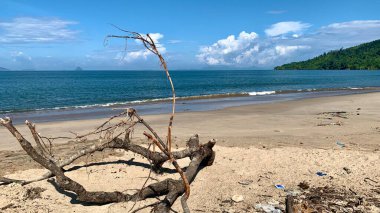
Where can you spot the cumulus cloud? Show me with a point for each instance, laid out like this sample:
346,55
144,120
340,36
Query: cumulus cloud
142,53
274,50
246,49
229,50
36,30
281,28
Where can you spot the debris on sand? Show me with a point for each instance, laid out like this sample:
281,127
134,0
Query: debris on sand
245,182
321,174
338,123
34,193
340,144
267,208
7,206
303,185
237,198
279,186
330,115
347,170
329,199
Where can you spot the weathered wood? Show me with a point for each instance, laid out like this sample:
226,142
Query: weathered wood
4,180
289,202
199,154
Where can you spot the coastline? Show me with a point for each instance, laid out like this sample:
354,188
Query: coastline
184,104
60,95
268,123
261,145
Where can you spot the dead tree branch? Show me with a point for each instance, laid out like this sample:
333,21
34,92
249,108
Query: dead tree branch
200,154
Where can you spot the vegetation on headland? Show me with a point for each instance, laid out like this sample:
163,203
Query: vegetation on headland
362,57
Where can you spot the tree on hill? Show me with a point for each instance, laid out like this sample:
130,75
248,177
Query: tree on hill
362,57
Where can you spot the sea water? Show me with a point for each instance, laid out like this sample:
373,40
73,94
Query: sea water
65,92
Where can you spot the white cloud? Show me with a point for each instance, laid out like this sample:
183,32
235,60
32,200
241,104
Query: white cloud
273,50
284,50
231,47
36,30
155,37
343,34
360,24
142,52
245,50
246,55
281,28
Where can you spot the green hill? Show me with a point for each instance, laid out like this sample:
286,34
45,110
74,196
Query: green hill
362,57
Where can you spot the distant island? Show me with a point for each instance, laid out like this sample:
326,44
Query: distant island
3,69
78,69
362,57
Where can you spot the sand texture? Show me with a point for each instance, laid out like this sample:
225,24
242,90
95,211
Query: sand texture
259,146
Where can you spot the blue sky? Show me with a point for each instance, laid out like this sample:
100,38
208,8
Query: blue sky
61,35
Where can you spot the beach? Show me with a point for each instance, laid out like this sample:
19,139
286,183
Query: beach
258,146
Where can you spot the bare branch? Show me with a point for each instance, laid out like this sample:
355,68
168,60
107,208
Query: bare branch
172,188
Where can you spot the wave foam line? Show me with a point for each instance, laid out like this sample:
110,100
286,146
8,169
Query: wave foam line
262,93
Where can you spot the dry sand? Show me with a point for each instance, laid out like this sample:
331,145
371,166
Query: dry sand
258,145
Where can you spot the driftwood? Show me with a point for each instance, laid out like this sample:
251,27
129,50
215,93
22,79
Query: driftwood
118,136
289,203
201,155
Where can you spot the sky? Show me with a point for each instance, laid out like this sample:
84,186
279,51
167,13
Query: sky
196,34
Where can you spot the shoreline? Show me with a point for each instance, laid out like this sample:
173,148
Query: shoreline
270,122
184,104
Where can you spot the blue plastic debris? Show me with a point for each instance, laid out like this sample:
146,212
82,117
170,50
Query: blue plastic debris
342,145
321,174
279,186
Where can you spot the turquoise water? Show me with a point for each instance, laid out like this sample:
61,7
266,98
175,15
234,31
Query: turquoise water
40,90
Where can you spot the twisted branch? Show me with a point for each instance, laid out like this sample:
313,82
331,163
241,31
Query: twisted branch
169,187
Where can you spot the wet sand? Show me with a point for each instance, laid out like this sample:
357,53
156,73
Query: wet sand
289,123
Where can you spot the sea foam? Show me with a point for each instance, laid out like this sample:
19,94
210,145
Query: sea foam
262,93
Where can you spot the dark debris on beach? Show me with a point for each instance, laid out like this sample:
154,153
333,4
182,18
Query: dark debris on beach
330,199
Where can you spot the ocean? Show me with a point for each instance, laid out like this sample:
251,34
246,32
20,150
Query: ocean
60,95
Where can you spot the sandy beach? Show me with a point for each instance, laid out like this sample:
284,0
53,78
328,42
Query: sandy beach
258,146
